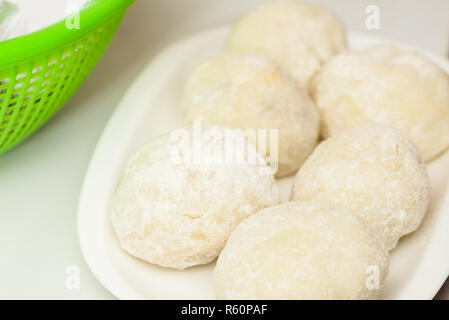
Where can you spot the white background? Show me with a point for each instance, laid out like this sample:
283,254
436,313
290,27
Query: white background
40,180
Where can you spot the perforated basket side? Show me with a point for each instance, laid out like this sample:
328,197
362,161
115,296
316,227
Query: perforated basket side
33,90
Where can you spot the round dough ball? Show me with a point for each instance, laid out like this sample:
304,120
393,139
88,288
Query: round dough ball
373,170
298,35
301,250
176,213
388,86
250,91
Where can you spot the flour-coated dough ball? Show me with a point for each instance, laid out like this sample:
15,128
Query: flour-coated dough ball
389,86
375,171
301,250
250,91
300,36
171,212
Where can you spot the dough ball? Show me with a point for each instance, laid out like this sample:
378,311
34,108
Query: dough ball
300,36
373,170
175,212
250,92
388,86
301,250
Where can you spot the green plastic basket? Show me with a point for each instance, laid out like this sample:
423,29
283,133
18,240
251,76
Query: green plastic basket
40,71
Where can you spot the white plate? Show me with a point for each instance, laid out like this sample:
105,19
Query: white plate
419,265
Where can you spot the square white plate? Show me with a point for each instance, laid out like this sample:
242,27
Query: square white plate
419,265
